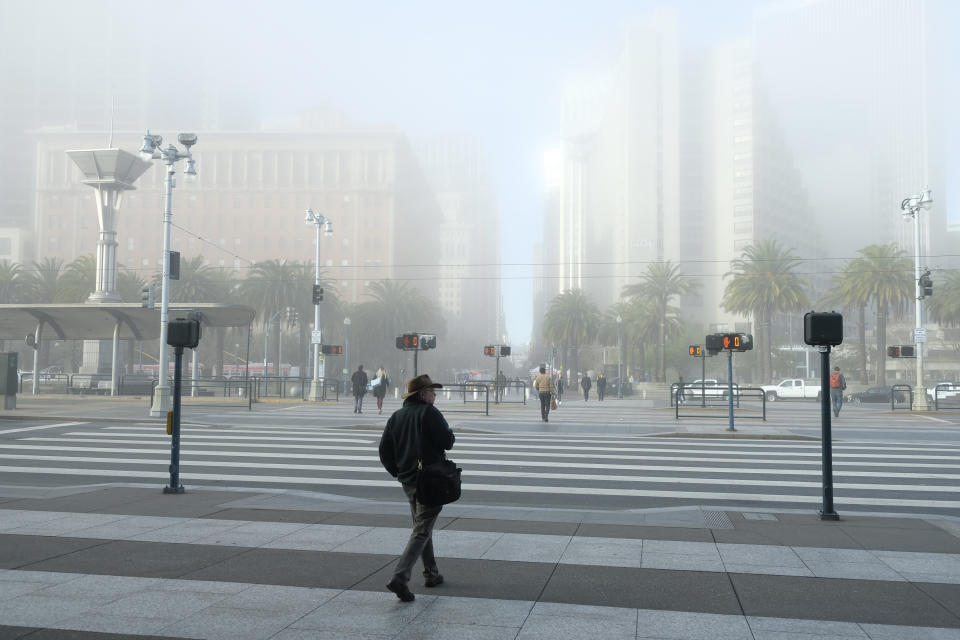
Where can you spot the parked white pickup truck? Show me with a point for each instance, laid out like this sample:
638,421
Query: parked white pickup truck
792,389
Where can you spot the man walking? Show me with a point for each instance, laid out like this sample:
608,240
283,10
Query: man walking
837,385
543,383
601,386
416,433
585,384
359,382
681,393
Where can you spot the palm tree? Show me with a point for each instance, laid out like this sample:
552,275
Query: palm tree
885,276
43,283
13,282
571,322
944,307
763,284
396,306
79,279
846,292
198,282
270,287
661,283
129,284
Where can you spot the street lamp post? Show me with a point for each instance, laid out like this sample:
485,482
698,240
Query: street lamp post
152,150
911,209
619,359
346,346
322,223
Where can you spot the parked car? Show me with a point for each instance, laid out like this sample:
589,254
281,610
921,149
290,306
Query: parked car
709,388
792,389
876,394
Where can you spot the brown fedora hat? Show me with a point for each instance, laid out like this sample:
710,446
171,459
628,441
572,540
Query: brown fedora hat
418,384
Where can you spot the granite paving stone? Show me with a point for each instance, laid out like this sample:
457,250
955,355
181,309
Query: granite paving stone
363,611
762,625
38,611
317,537
221,623
385,540
16,518
252,534
278,598
129,527
22,551
127,625
67,525
491,612
691,626
435,630
528,548
462,544
541,627
198,529
887,632
161,604
758,554
612,552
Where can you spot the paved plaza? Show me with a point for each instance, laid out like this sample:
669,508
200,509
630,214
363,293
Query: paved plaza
292,554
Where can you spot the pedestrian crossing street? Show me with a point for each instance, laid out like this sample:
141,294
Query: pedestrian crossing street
516,469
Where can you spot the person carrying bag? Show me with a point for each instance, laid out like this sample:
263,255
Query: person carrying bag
412,449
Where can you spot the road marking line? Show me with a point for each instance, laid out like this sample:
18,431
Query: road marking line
43,426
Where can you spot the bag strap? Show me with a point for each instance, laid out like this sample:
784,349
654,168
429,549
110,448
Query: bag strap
420,438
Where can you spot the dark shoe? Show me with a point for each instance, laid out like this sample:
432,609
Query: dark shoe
432,581
403,592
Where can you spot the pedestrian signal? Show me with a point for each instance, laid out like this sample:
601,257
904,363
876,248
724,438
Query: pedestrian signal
331,349
489,350
695,350
428,341
504,350
408,341
893,352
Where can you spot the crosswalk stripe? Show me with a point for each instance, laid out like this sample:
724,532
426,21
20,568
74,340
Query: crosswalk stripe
477,461
467,487
504,474
815,461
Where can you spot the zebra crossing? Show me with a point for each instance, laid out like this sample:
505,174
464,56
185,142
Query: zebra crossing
584,471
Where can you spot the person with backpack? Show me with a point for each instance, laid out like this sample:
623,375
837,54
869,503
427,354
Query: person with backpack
837,386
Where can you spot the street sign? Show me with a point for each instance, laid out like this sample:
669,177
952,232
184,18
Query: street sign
920,334
315,337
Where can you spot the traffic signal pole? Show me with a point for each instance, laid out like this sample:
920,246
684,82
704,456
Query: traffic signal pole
730,388
827,511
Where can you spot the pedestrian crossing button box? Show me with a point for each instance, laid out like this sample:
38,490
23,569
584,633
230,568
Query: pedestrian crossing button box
823,328
183,332
8,373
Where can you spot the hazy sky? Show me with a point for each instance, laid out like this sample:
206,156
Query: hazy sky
494,70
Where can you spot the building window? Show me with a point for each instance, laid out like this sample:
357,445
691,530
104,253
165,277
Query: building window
131,244
6,246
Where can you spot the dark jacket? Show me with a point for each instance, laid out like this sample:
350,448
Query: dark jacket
585,383
359,381
380,390
399,443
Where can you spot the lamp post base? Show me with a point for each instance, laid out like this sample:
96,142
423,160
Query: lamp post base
920,399
162,401
316,391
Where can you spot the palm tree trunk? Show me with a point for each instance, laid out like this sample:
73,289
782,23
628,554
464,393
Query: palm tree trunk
862,337
663,352
881,346
218,357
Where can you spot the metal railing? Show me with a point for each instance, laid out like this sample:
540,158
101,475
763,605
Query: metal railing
705,396
474,397
509,392
908,398
723,406
946,396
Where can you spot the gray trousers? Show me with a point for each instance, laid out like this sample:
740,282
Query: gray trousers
420,544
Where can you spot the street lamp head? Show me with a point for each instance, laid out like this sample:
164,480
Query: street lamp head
619,319
187,140
149,150
191,171
309,217
328,228
926,198
346,321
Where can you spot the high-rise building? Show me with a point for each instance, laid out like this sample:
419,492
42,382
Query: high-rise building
248,205
469,284
858,88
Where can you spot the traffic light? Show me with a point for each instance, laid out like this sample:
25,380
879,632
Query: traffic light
489,350
746,341
714,343
146,297
695,350
908,351
893,352
331,349
504,350
408,341
174,265
926,285
428,341
317,294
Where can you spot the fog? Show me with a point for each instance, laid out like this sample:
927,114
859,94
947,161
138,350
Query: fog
854,102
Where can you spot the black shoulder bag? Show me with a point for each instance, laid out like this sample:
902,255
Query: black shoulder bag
438,483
